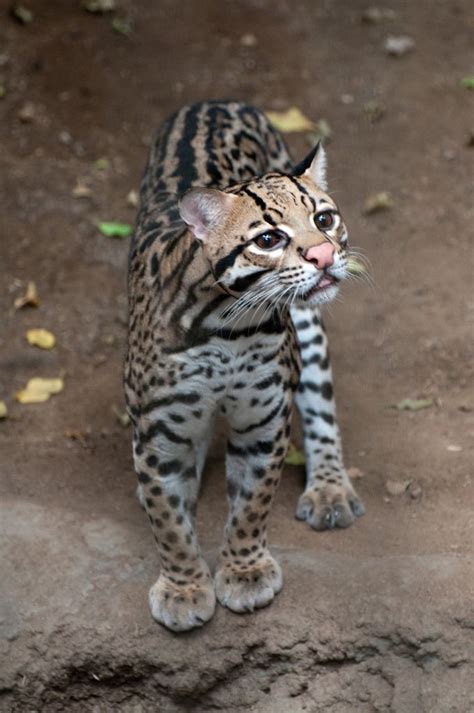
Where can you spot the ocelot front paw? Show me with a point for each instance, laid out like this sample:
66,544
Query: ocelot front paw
243,589
181,608
329,505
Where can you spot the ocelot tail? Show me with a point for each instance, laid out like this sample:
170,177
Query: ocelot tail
234,249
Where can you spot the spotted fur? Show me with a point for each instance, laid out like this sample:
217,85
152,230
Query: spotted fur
221,323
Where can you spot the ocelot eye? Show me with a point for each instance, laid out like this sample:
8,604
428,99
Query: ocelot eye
324,220
270,240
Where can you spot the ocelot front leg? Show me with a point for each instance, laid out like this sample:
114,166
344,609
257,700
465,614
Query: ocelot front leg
329,499
247,576
166,446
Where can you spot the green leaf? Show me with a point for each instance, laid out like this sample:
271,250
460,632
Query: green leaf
101,164
22,14
412,404
99,6
295,457
468,82
123,25
115,230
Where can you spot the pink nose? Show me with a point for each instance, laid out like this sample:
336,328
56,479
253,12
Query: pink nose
321,255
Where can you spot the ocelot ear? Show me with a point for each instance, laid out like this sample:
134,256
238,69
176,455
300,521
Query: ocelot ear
314,166
202,208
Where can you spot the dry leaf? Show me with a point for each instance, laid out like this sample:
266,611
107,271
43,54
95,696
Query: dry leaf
294,456
81,190
412,404
122,416
3,410
378,202
41,338
38,390
78,436
29,299
291,120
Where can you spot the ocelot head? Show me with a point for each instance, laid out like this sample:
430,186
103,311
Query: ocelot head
279,237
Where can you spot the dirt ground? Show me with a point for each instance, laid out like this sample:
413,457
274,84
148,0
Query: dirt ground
378,617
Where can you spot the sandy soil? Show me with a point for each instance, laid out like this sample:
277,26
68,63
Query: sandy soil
374,618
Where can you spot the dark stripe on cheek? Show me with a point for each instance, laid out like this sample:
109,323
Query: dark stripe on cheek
225,262
242,283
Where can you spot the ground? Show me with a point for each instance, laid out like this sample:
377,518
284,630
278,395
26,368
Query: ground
374,618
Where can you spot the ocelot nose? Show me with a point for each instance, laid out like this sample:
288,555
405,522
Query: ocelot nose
321,255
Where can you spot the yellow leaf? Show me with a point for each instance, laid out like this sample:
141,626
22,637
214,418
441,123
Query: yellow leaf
38,390
290,120
41,338
3,410
378,202
81,190
29,299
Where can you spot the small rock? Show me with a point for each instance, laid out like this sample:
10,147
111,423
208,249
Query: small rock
27,113
65,137
414,491
375,15
132,199
399,46
448,154
248,40
355,473
452,448
347,98
396,487
375,110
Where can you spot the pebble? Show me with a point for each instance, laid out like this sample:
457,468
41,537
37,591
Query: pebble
27,113
248,40
414,491
399,46
396,487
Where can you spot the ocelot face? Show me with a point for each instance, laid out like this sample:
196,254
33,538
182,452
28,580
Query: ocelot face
278,238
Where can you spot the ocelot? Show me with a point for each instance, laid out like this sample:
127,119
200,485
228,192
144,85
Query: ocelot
234,249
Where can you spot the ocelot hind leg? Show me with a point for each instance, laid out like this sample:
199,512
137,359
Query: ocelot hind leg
329,499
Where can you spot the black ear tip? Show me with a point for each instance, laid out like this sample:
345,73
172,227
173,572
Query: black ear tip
307,161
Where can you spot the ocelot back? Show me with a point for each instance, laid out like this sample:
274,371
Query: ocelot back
234,249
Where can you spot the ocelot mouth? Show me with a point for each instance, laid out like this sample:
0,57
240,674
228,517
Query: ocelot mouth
323,284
